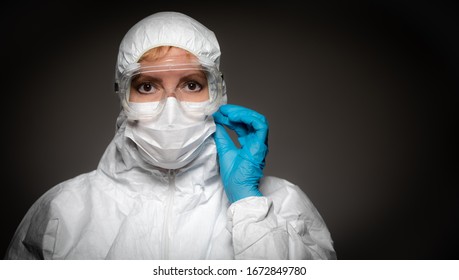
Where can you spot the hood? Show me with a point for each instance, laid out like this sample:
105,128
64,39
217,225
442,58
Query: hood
167,29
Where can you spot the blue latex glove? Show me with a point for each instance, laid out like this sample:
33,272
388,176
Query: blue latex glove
241,168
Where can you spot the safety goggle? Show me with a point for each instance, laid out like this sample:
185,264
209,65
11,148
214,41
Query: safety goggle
149,85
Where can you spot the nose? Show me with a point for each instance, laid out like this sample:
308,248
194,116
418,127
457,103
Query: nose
172,92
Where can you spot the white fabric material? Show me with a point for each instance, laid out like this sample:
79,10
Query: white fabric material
128,209
174,138
171,29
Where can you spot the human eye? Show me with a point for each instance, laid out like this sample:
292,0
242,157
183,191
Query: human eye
145,88
192,86
194,82
144,85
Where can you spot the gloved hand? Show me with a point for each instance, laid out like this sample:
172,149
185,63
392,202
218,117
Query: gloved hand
241,168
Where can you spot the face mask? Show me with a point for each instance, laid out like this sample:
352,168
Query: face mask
174,138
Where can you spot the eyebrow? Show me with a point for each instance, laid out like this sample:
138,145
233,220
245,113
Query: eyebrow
193,75
199,74
143,77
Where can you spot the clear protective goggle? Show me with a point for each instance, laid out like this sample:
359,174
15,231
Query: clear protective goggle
144,87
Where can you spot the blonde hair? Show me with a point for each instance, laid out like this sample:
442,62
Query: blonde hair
156,53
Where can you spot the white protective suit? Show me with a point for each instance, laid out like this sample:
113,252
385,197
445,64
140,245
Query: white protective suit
129,209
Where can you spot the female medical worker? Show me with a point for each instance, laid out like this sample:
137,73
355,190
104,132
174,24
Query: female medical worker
172,184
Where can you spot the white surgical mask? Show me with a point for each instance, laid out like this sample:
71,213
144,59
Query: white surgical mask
174,138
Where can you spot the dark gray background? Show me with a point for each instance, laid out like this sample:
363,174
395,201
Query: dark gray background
361,97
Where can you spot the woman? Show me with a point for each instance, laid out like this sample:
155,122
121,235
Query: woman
172,184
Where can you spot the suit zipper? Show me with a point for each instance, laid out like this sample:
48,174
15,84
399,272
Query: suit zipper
168,213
